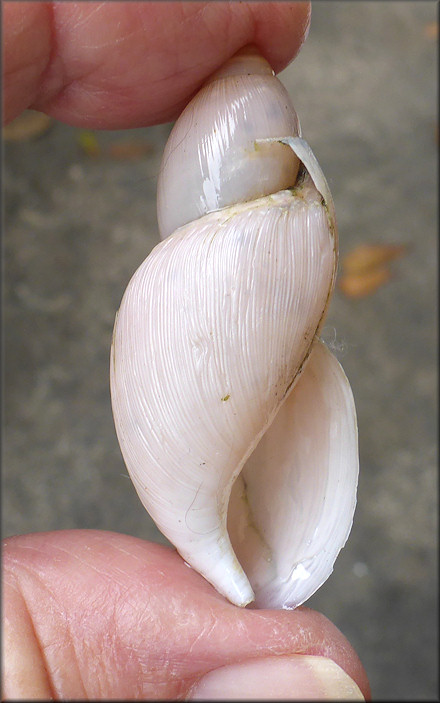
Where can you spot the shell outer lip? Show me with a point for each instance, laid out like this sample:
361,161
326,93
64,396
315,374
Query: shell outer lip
305,154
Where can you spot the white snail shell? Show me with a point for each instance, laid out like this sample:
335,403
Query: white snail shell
236,424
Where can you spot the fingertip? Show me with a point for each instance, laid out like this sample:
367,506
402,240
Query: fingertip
282,28
121,65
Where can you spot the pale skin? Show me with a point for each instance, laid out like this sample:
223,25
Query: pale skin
99,615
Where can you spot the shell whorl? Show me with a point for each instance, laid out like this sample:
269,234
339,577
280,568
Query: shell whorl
212,159
236,425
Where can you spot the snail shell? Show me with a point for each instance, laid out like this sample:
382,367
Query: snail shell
236,424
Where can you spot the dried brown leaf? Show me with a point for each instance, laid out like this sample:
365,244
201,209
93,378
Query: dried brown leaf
367,257
359,285
431,30
129,150
28,125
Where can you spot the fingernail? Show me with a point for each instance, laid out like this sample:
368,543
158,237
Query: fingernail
290,678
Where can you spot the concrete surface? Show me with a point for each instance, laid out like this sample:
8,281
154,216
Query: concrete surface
76,228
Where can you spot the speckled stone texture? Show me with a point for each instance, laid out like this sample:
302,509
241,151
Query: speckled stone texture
76,228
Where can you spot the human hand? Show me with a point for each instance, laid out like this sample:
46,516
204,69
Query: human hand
96,614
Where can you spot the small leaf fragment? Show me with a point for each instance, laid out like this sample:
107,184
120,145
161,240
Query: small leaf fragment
129,150
355,285
431,30
366,257
89,144
28,125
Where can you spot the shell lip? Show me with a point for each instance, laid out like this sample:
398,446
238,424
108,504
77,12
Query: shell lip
310,166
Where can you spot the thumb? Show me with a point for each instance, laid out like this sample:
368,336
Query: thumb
295,677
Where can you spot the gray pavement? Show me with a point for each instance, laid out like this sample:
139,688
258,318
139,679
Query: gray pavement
76,228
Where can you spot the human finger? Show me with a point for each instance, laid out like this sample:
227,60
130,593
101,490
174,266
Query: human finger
94,614
114,65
